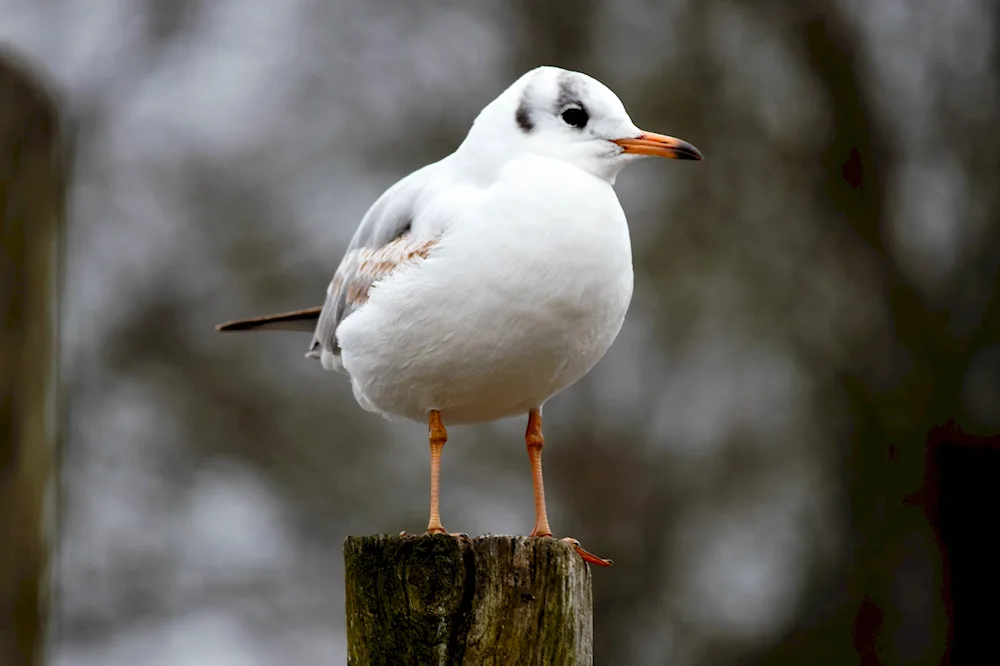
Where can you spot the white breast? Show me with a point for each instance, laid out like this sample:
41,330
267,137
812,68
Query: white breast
525,292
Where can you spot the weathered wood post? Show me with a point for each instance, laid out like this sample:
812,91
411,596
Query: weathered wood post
446,601
32,194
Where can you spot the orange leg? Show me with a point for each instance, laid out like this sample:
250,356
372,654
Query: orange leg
438,436
534,440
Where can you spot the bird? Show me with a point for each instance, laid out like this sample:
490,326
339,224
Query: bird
481,285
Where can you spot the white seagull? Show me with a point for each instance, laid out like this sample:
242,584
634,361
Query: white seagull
479,286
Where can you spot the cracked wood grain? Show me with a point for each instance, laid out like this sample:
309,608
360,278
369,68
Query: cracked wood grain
444,601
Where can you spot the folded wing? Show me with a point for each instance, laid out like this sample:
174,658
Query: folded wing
390,235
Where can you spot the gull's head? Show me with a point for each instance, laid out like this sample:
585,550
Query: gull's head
571,117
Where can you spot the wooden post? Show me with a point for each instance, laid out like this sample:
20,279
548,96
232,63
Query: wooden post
446,601
32,194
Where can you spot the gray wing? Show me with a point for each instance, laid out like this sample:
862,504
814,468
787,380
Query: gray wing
388,236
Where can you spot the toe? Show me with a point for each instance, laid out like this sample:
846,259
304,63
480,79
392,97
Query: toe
587,556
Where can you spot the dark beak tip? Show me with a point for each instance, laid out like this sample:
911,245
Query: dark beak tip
692,153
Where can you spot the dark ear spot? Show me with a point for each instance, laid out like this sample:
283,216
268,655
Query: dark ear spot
523,117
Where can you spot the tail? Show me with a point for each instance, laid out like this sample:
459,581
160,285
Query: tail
301,320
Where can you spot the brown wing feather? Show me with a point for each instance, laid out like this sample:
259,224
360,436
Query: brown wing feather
375,264
361,268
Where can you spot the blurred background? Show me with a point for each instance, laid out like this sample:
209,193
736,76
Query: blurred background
790,452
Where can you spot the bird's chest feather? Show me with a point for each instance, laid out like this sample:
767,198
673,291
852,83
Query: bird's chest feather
547,284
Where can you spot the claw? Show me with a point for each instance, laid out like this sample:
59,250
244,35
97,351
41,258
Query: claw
587,557
457,535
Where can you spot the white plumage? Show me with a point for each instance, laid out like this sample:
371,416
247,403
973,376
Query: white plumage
481,285
530,275
518,299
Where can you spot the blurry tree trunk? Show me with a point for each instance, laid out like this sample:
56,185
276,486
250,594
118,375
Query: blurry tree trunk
888,453
32,194
443,601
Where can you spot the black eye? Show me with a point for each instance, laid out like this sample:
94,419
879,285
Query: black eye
575,116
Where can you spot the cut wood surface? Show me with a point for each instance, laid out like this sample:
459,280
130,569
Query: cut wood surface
448,601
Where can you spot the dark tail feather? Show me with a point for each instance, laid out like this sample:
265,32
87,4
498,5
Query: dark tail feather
300,320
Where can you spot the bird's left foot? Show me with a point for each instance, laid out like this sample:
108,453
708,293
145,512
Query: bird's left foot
587,556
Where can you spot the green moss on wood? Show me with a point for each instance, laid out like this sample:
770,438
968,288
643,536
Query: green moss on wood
442,600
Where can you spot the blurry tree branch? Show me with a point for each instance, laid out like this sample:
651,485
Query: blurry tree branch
553,34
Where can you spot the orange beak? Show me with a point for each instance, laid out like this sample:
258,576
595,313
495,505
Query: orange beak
658,145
